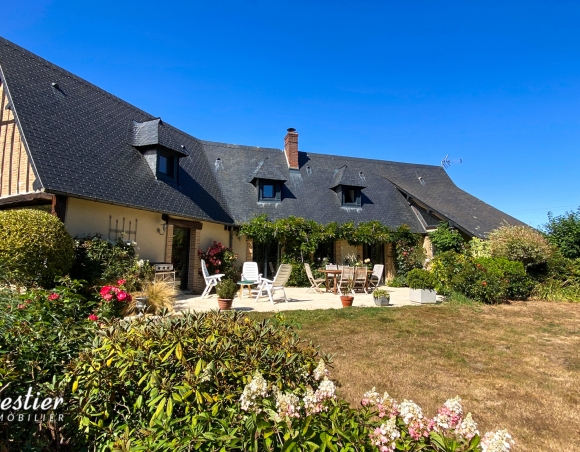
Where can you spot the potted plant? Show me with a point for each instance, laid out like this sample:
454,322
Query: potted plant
347,298
381,297
421,286
226,290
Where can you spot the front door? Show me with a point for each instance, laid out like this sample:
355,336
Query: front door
180,255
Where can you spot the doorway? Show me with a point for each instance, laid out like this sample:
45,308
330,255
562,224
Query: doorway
264,253
180,255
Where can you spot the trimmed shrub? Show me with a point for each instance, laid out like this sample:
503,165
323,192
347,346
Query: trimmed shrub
519,284
421,279
444,267
35,245
519,243
445,238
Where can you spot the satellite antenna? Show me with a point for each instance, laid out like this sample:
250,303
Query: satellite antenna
446,163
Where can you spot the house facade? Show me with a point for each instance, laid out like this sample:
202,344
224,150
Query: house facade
105,166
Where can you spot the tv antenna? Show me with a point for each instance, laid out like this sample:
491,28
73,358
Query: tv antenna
446,163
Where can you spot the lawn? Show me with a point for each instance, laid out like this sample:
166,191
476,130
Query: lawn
515,366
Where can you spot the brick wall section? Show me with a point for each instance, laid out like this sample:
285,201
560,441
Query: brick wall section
291,148
249,250
390,271
16,175
196,281
168,242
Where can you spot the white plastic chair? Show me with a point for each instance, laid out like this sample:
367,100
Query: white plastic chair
210,280
377,275
250,272
314,283
278,283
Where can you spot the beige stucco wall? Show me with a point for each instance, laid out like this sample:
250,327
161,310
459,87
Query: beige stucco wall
89,217
342,249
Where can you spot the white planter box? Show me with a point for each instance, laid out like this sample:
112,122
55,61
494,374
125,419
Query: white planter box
423,296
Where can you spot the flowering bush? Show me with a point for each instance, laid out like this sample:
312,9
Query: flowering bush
219,259
519,243
409,253
113,300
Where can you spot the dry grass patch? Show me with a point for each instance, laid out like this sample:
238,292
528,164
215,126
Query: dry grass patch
515,366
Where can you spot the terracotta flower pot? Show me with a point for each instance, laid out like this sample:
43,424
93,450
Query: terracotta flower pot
225,304
346,300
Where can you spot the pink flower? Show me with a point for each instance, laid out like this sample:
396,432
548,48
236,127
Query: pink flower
108,297
105,290
27,301
121,282
93,317
53,296
116,290
21,306
121,295
217,272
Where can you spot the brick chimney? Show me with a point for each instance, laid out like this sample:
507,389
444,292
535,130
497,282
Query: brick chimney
291,148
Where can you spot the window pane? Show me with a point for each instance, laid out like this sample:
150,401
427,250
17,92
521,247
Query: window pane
267,191
162,164
349,196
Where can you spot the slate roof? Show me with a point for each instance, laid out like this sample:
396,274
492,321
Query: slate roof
83,142
79,138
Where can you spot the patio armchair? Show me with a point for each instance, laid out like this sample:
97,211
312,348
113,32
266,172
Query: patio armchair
210,280
314,283
278,283
346,280
376,276
360,279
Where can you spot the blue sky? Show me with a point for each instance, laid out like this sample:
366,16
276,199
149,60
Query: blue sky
496,84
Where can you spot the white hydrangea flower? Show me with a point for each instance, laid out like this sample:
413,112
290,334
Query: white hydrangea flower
288,405
467,428
321,371
410,411
449,415
258,387
385,436
371,398
325,390
500,441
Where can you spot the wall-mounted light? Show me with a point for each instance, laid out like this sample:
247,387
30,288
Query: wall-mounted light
161,230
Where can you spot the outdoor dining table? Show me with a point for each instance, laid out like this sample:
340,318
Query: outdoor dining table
334,273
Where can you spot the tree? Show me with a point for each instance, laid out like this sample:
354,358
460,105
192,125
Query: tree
446,238
564,232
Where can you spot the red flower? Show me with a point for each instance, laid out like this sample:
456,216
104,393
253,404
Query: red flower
105,290
53,296
121,282
21,306
217,271
484,283
129,298
93,317
121,295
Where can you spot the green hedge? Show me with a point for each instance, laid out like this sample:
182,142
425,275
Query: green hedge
35,246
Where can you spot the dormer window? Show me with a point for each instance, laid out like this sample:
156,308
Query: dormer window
268,180
348,185
270,190
159,147
351,196
167,166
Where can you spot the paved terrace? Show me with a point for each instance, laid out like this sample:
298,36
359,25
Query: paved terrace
298,298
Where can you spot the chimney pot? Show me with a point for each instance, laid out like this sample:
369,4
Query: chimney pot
291,148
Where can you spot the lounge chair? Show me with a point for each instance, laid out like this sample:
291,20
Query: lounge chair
210,280
314,283
377,276
278,283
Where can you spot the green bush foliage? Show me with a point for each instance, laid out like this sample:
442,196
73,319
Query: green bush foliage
421,279
519,243
40,332
100,261
219,259
446,238
35,245
564,232
176,381
491,280
226,289
445,267
409,253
